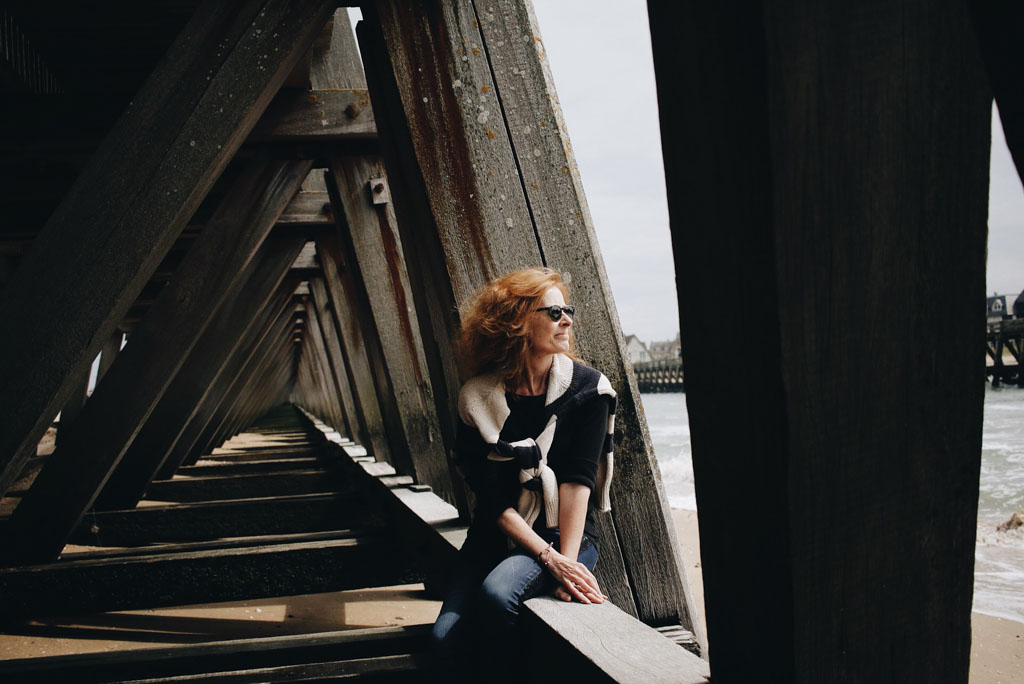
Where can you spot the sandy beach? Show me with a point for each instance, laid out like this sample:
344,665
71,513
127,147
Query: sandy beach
997,651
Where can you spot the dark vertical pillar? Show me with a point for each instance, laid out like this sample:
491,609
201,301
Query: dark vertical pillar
827,166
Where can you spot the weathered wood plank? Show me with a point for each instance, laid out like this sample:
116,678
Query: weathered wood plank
379,267
390,668
335,379
200,577
232,543
998,26
230,518
339,290
73,406
320,309
77,471
219,655
601,643
206,468
137,192
845,131
307,208
448,94
316,116
243,486
428,273
262,294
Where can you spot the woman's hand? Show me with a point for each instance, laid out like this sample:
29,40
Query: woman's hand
575,581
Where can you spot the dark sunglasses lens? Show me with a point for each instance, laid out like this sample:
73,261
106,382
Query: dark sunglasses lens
555,312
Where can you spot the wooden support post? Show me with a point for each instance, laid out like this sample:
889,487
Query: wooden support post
358,188
337,381
504,193
69,414
74,475
109,354
137,192
251,302
328,391
805,148
344,307
321,309
999,26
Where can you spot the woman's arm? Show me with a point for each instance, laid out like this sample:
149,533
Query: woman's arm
572,516
575,580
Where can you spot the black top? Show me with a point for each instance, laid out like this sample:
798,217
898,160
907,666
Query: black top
573,456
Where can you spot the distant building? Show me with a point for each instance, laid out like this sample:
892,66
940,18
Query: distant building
995,308
636,350
669,349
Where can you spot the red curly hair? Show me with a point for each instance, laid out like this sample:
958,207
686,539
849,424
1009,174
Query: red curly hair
495,334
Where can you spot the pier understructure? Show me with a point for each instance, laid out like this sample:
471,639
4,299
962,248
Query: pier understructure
264,235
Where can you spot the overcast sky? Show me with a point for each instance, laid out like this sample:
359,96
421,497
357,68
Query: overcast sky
600,54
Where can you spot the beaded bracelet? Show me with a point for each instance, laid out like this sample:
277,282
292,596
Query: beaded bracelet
540,556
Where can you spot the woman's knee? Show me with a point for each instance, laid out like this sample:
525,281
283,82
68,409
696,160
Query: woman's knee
504,588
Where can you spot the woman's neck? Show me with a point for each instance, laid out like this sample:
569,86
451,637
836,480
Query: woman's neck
536,380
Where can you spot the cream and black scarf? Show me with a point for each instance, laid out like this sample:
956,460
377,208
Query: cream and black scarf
482,405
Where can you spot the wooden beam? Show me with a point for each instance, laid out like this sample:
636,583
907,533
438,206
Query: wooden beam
229,518
137,192
339,288
174,579
308,208
238,486
73,477
316,116
865,491
262,294
432,289
329,383
600,643
999,26
218,656
73,406
319,310
378,269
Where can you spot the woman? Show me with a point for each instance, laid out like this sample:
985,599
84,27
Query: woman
534,444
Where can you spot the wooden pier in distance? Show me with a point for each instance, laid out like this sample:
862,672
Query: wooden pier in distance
1005,338
665,375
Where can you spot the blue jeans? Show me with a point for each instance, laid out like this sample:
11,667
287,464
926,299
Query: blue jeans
481,607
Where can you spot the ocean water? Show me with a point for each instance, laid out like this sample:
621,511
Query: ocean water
999,557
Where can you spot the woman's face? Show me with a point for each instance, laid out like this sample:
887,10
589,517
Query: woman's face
548,336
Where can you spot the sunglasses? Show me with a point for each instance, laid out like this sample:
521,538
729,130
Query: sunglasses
555,312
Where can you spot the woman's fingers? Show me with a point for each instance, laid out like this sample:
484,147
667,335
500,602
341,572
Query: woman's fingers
587,579
562,595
